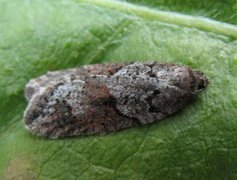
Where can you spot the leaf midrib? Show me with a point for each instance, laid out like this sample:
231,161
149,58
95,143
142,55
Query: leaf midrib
198,22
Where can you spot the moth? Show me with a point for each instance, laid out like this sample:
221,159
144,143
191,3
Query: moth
103,98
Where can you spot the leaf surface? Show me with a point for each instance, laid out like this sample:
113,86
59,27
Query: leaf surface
198,142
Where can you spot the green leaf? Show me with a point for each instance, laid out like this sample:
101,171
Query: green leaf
222,10
199,142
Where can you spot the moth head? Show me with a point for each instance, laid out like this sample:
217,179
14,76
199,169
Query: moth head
199,82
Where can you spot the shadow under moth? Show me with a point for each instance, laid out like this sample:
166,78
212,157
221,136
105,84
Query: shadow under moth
103,98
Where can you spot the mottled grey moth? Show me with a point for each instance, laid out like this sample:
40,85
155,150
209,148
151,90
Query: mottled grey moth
102,98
